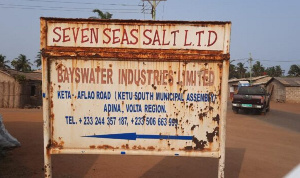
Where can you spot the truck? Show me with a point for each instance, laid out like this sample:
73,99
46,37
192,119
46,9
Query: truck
254,98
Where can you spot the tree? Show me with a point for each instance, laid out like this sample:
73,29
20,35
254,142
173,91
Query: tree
274,71
232,71
38,59
258,69
21,63
278,71
271,71
3,62
102,15
294,70
241,70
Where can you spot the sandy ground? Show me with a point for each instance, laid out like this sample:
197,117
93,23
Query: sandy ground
256,146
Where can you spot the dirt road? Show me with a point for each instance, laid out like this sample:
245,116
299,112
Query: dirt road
256,146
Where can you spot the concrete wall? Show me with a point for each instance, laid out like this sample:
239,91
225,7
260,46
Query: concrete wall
19,95
10,91
14,94
4,77
10,95
278,91
292,94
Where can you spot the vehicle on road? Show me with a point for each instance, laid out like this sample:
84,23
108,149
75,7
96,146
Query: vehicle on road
253,98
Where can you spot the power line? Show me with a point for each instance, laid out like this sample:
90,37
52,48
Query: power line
69,10
239,59
154,4
277,61
81,3
62,8
265,60
56,7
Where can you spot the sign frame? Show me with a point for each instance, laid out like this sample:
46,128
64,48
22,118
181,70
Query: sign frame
125,53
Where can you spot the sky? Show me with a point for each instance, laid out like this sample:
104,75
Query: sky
268,29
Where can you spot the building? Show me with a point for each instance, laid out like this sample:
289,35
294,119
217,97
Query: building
283,89
286,89
260,80
20,89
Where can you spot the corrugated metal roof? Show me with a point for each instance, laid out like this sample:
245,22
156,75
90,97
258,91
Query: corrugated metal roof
253,78
262,81
289,81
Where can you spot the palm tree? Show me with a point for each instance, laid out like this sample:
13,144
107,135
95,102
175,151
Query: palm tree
278,71
21,63
38,60
294,70
232,70
271,71
241,69
258,69
3,62
102,15
274,71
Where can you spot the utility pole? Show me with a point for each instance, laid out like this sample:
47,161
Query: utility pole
154,4
250,61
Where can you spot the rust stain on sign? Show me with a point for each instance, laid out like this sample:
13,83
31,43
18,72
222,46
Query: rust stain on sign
143,86
139,99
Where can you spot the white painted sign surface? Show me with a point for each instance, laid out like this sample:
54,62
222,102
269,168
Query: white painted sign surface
134,87
114,35
130,105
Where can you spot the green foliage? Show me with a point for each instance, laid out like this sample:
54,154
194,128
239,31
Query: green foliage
20,78
274,71
102,15
294,70
247,74
21,63
3,62
233,71
241,70
38,59
257,69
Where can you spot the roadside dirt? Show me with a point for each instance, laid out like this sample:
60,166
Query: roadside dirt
256,146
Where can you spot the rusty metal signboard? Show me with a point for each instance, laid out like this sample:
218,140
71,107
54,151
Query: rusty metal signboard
134,87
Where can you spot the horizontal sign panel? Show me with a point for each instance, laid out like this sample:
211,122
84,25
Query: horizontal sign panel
134,87
135,105
138,35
